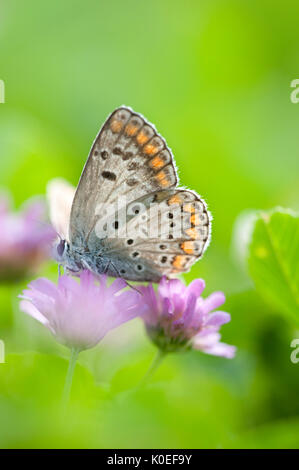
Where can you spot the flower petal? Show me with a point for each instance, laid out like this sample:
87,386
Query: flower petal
117,285
221,349
217,319
205,340
196,287
213,301
176,316
27,307
81,311
45,286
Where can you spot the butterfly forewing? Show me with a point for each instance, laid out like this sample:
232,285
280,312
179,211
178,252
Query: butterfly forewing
128,159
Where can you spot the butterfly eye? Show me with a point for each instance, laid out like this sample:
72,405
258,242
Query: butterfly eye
61,247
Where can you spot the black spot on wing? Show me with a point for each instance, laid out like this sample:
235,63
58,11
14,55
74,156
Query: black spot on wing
108,175
132,182
127,156
117,151
133,166
104,154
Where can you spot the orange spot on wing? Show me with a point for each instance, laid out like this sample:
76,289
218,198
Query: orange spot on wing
150,149
192,233
131,130
178,262
195,219
157,163
189,208
162,178
116,126
142,138
175,199
188,247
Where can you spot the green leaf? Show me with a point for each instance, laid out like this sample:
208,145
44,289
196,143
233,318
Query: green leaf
274,260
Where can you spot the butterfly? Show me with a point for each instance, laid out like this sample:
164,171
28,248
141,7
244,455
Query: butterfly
127,217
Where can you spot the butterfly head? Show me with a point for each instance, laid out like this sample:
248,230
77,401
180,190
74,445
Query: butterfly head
60,250
66,257
61,247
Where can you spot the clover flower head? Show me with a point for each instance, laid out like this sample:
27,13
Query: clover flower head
177,317
80,312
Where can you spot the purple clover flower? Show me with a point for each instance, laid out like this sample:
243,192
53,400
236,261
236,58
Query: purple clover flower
177,317
25,240
80,313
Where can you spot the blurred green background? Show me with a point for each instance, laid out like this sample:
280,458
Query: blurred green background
214,76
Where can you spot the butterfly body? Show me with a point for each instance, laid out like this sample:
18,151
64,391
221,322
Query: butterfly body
128,218
75,260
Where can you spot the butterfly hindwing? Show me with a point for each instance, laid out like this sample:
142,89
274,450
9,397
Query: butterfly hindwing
163,233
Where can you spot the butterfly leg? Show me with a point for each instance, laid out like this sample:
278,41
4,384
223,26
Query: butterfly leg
86,265
107,267
60,268
128,284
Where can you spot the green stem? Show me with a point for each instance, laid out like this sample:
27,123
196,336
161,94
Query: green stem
69,378
153,367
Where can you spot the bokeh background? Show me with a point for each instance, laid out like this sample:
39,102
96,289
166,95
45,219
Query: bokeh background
214,76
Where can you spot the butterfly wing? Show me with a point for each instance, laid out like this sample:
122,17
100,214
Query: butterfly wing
127,213
60,196
162,233
128,160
